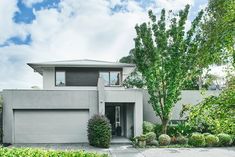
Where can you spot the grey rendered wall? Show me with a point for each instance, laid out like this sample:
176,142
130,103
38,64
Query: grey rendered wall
44,99
187,97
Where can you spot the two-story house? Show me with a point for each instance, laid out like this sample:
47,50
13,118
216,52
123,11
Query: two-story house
73,91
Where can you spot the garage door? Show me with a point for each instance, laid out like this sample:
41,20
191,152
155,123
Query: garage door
50,126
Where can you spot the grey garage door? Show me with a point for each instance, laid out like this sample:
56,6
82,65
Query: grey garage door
50,126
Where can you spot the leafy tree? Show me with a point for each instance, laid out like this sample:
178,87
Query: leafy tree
167,56
216,113
129,58
219,29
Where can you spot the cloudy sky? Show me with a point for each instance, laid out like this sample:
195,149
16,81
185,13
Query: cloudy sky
49,30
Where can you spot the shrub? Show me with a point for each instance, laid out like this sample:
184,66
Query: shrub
150,137
148,127
164,140
173,140
32,152
225,139
206,134
211,140
99,131
181,140
197,140
154,143
158,130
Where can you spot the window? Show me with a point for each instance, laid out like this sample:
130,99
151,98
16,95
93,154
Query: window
111,78
60,78
114,78
105,76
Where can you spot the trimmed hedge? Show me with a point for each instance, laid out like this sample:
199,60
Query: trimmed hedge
224,139
32,152
182,140
99,131
197,140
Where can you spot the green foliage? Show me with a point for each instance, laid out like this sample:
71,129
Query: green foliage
224,139
99,131
182,140
148,127
216,114
197,140
211,140
31,152
1,102
166,57
219,29
154,143
176,130
164,139
150,136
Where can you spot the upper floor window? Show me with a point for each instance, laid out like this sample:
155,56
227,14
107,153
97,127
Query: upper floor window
60,78
111,78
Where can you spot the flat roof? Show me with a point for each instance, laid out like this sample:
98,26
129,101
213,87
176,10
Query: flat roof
78,63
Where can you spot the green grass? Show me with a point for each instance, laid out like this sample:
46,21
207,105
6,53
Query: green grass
32,152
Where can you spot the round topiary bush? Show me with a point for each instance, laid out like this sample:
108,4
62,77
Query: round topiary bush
99,131
150,137
181,140
197,140
164,140
148,127
224,139
211,140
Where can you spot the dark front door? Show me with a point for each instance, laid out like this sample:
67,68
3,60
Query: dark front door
110,114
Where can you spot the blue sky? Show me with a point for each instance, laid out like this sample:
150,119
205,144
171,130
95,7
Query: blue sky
44,30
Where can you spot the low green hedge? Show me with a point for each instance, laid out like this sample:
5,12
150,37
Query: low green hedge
32,152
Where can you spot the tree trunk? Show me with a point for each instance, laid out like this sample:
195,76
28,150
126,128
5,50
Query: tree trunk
164,125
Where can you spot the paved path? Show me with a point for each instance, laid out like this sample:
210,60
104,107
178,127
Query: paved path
129,151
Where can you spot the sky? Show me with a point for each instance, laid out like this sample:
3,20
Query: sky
50,30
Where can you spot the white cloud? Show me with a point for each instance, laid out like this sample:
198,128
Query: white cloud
80,30
29,3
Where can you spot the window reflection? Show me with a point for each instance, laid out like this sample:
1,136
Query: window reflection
60,78
114,78
105,76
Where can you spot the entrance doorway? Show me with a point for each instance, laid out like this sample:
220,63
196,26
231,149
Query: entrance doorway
121,118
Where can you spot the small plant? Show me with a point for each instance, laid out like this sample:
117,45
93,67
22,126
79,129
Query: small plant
148,127
164,140
141,141
182,140
99,131
206,134
197,140
211,140
225,139
150,137
173,140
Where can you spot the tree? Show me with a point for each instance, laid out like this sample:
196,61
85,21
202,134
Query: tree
219,29
166,57
216,113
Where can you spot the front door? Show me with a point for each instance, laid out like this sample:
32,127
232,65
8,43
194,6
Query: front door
110,114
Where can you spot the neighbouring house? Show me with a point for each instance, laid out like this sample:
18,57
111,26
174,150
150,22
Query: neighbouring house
73,91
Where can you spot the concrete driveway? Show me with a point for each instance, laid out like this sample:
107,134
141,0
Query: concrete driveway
129,151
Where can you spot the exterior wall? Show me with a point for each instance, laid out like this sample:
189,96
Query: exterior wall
44,99
48,78
187,97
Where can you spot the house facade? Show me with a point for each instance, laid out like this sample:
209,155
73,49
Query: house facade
73,91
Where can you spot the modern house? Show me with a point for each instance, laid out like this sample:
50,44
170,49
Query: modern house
73,91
